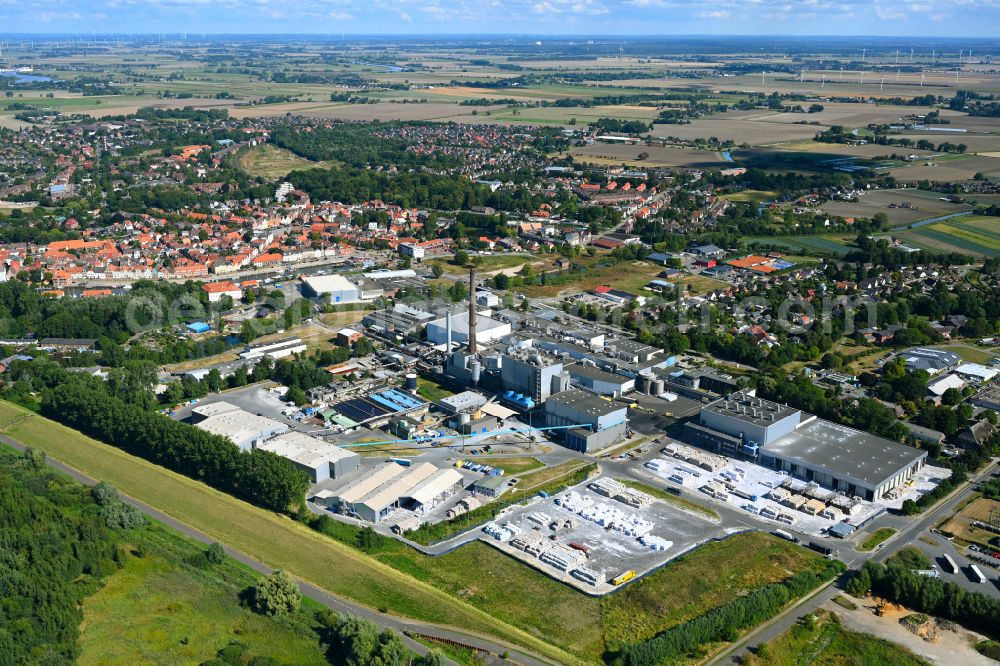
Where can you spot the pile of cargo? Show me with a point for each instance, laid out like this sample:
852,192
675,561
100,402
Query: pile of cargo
619,491
716,490
604,515
562,557
586,575
504,532
532,544
697,457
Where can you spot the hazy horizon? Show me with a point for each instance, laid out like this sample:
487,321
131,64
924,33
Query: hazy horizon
607,18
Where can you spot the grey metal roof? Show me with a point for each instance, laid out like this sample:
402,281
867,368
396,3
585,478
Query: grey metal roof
844,452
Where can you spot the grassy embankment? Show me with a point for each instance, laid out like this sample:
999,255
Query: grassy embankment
475,587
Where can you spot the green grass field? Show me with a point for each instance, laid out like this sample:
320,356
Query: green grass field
875,538
274,539
670,498
971,355
510,466
834,243
162,609
272,163
822,641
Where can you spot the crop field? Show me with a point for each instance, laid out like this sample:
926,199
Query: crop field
837,244
960,525
659,156
739,130
922,205
971,234
272,163
583,115
957,167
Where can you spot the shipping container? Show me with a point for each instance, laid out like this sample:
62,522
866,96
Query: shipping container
977,575
787,536
949,565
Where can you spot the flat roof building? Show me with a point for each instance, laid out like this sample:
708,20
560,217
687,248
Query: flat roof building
242,428
318,459
599,423
339,288
598,381
805,446
487,329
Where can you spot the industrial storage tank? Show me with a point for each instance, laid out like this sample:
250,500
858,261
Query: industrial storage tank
642,383
656,387
411,381
464,418
476,369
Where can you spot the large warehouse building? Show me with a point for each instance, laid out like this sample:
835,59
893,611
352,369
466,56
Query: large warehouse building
377,494
805,446
487,330
339,288
601,423
318,459
242,428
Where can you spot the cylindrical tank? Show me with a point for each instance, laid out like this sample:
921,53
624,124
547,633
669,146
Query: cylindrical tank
464,418
642,383
476,370
411,381
656,387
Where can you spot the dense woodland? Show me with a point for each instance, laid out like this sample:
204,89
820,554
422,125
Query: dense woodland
55,550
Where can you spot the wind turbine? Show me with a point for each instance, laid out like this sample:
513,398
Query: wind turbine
897,75
864,52
881,84
921,80
823,82
897,56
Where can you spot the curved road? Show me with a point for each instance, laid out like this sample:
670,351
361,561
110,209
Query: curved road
401,625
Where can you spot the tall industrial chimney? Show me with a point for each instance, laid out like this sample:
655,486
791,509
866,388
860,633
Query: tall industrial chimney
472,310
447,343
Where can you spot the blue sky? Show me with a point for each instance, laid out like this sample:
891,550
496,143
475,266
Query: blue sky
592,17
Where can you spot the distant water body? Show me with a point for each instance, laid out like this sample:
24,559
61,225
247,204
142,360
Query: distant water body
25,78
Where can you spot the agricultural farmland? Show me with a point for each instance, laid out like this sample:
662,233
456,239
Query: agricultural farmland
971,234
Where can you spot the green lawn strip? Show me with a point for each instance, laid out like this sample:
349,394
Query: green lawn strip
510,466
670,498
875,538
271,538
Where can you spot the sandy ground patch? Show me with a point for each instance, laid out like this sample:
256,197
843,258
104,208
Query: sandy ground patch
951,647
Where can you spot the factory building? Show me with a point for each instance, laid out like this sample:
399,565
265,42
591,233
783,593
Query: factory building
598,381
600,422
318,459
805,446
931,360
377,494
277,349
529,373
487,330
242,428
337,287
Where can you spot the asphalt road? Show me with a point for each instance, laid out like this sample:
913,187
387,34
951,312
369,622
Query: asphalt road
332,602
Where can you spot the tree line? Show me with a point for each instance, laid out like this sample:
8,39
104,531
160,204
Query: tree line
259,477
723,623
897,582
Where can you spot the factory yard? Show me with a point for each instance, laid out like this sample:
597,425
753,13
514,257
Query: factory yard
588,540
769,498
